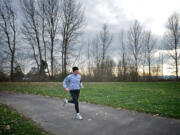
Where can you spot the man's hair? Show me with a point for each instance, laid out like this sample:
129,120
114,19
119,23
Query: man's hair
75,68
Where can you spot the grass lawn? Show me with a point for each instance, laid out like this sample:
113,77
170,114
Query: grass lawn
12,123
162,98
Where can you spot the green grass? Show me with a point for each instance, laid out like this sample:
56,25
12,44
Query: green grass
12,123
162,98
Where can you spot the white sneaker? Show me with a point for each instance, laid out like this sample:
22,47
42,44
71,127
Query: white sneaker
65,101
79,117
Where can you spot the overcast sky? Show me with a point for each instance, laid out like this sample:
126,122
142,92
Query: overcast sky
120,14
152,14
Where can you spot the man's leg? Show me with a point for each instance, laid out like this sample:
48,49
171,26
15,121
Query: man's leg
72,97
78,116
75,95
76,101
78,94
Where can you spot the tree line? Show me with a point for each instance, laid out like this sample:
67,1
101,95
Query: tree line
47,34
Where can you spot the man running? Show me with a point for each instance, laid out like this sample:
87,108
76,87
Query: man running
75,84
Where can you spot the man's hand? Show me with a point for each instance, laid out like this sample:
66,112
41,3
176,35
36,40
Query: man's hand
82,86
67,89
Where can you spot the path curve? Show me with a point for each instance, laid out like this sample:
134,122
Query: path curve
98,120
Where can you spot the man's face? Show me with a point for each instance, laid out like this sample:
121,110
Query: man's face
76,72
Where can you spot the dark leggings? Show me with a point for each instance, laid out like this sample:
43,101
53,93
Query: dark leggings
75,96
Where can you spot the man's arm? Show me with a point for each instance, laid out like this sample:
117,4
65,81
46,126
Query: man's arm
65,82
81,85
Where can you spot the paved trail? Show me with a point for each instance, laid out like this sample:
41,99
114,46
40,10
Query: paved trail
98,120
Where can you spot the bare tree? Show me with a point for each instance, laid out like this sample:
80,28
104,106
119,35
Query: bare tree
109,69
52,16
40,25
101,44
72,19
105,40
8,26
162,64
135,38
31,40
143,61
123,52
42,4
31,29
149,43
89,58
172,37
96,58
